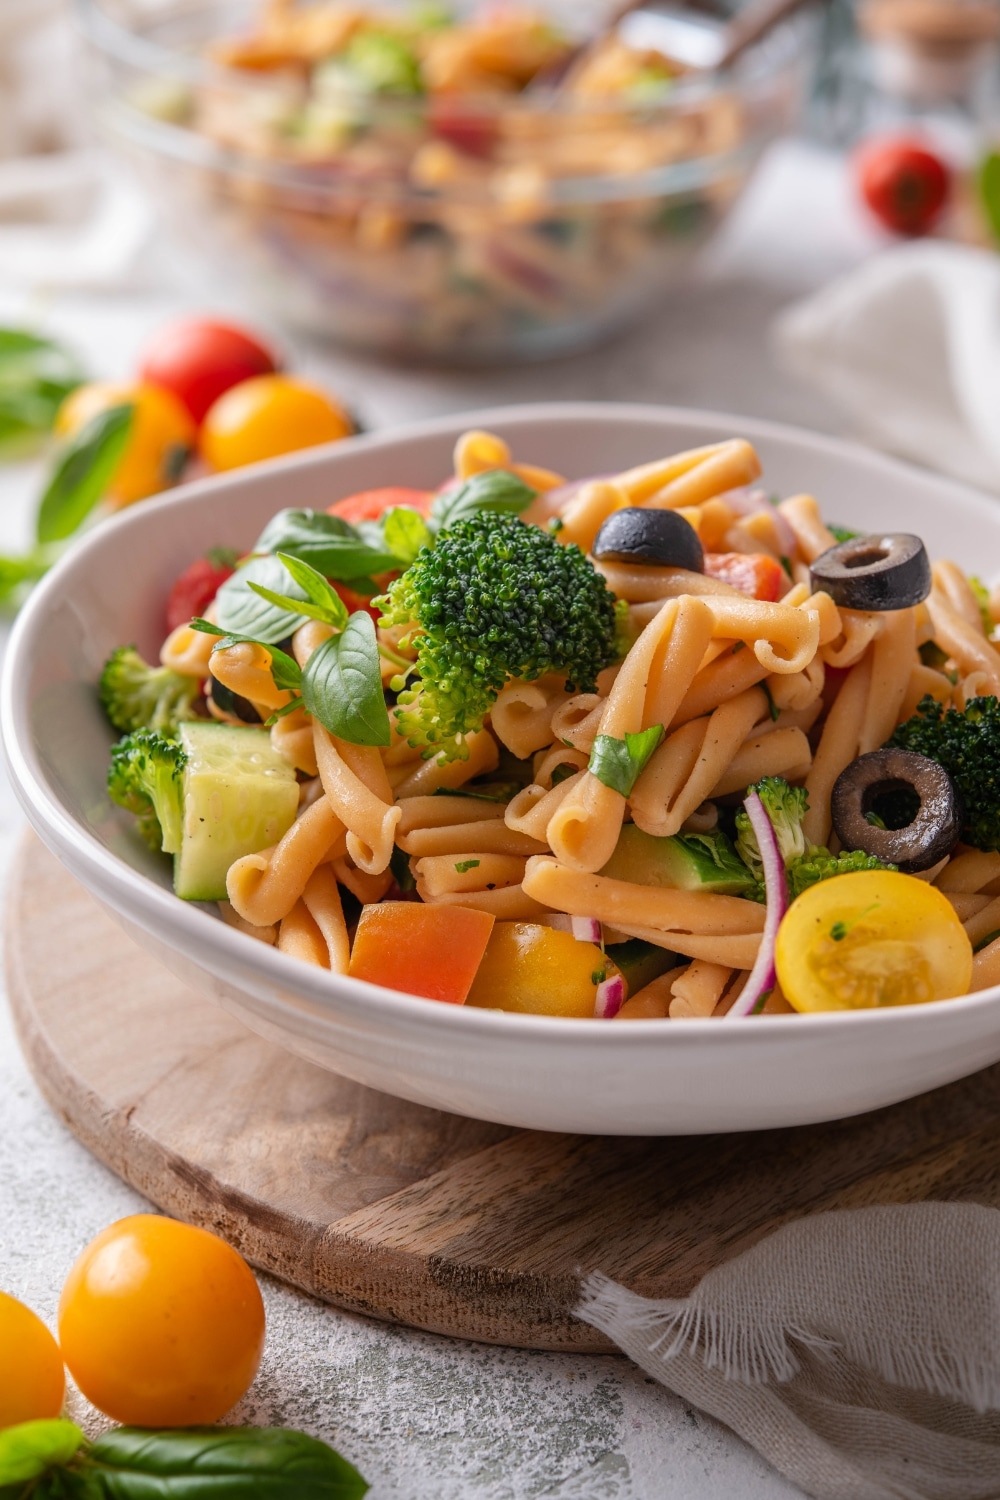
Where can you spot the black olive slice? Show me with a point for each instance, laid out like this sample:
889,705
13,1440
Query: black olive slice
889,570
883,783
660,538
232,703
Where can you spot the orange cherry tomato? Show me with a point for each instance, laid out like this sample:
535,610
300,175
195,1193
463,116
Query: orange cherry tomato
267,416
159,444
432,951
161,1324
32,1379
369,505
753,573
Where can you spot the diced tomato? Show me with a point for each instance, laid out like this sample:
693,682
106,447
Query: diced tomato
473,132
197,586
368,505
432,951
753,573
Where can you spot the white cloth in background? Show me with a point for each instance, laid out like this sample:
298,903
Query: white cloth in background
909,345
858,1351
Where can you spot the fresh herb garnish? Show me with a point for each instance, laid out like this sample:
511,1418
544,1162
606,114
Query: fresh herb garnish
405,531
83,471
241,610
342,684
497,490
842,533
620,763
321,602
772,707
985,942
52,1460
467,864
562,772
285,670
332,546
36,376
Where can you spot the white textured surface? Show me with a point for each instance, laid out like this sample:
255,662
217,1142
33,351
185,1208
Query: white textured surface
427,1418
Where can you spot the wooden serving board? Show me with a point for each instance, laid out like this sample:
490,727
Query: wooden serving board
404,1213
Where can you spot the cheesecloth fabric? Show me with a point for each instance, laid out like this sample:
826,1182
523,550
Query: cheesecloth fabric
858,1351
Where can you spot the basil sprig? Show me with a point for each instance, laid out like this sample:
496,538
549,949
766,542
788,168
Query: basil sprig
620,763
52,1460
322,602
495,490
342,684
36,376
83,471
332,546
241,610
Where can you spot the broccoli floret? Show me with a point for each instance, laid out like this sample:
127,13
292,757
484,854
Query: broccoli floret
819,864
493,599
145,779
967,745
786,806
135,695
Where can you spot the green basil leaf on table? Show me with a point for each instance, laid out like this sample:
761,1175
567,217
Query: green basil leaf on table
244,1463
342,684
318,590
330,545
36,376
30,1448
405,532
84,469
620,763
242,611
497,490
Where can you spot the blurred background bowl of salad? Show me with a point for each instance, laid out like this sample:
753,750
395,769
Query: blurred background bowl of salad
424,187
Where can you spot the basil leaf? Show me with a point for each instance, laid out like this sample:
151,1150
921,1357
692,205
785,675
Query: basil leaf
332,546
83,472
489,792
405,532
342,684
497,490
243,612
30,1448
620,763
317,590
237,1463
285,670
36,376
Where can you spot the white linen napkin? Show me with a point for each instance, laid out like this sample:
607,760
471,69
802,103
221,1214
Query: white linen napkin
909,345
858,1351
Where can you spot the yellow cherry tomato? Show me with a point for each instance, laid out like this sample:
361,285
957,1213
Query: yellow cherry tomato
159,443
267,416
871,939
161,1324
32,1379
539,971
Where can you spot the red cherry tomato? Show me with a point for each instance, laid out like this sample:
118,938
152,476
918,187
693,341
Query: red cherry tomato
198,360
474,133
905,185
753,573
368,505
197,586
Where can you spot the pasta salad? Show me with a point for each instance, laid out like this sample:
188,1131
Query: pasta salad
652,745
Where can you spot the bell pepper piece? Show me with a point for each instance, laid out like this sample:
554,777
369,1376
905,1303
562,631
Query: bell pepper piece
753,573
539,971
433,951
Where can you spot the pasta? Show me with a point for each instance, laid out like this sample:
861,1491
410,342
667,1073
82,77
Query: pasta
599,804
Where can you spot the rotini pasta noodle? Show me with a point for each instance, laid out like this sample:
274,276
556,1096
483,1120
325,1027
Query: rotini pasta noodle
434,774
783,639
775,752
923,682
962,641
264,887
367,815
975,685
985,923
549,761
321,899
858,630
672,785
986,966
472,870
292,737
521,717
364,885
799,690
493,837
445,812
477,451
308,636
509,903
812,537
626,905
232,918
838,746
737,950
652,1002
892,661
576,722
646,585
953,585
723,679
693,477
245,670
967,905
188,651
588,510
698,989
300,937
970,871
531,810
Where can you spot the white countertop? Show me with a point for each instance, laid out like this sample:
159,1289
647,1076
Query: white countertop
428,1418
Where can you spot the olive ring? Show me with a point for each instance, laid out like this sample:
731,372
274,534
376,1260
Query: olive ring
880,572
925,841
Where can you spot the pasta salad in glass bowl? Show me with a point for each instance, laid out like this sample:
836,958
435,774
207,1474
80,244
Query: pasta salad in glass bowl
428,183
670,754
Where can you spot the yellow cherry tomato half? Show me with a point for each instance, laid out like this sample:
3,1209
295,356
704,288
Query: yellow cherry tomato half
161,1324
159,443
32,1379
267,416
539,971
874,938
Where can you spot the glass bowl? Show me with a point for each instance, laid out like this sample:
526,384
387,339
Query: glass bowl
476,227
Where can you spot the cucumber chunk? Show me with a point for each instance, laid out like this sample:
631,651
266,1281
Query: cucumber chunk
685,862
240,796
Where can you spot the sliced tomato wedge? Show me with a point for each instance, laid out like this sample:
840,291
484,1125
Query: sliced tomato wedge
432,951
753,573
368,505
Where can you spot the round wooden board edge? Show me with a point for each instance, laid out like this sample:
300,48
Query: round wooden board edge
429,1293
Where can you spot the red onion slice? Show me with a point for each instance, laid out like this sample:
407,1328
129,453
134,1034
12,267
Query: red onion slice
762,976
584,929
610,998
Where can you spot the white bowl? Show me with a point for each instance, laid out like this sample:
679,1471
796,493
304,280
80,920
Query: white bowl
635,1078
